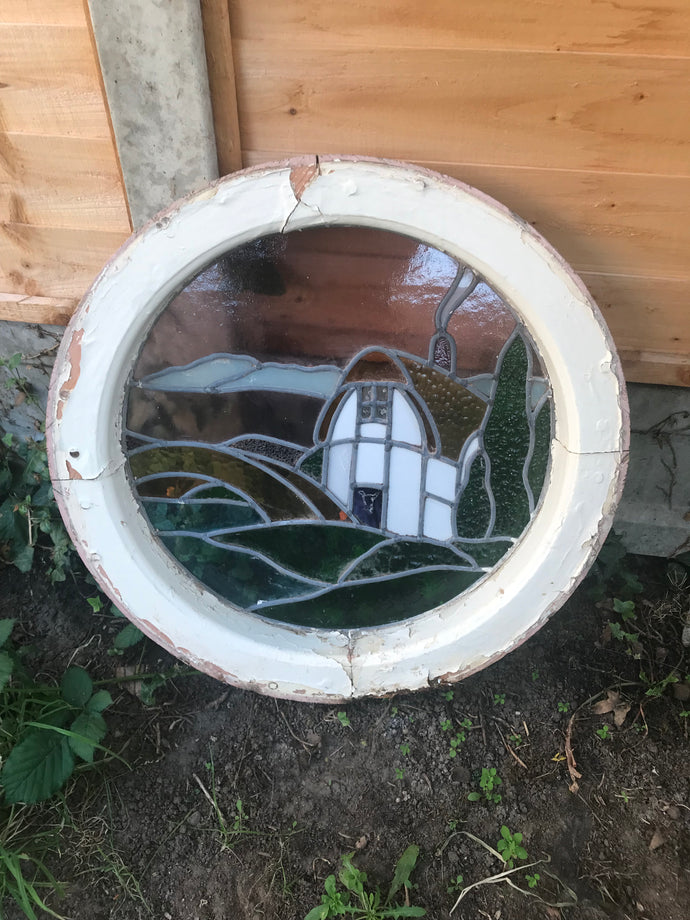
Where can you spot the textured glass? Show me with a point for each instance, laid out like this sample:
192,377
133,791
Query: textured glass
338,428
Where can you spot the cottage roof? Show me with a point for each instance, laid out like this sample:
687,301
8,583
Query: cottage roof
449,411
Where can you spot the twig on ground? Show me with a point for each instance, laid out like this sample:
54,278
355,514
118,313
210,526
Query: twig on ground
575,775
305,744
509,749
504,876
203,788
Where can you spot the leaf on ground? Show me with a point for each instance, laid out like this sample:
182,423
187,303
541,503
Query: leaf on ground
24,558
657,840
6,627
91,728
99,701
76,686
127,637
37,767
613,704
403,870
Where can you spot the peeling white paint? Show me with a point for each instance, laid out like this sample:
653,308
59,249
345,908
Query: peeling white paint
496,614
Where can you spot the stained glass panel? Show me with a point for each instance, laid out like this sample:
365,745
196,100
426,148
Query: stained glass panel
338,427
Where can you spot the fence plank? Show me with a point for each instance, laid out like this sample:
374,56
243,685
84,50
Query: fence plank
221,78
53,262
601,112
61,182
654,27
51,84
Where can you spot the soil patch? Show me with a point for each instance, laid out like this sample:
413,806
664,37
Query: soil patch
166,837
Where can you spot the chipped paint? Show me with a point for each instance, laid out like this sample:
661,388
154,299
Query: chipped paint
73,362
73,474
302,175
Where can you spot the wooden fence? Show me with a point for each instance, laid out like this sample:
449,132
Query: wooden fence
575,115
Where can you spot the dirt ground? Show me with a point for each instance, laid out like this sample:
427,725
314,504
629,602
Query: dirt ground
162,836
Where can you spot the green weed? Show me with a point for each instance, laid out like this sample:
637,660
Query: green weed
459,737
358,900
457,884
510,847
44,731
44,728
343,719
488,782
604,733
29,517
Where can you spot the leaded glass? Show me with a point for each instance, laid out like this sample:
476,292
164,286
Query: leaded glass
338,427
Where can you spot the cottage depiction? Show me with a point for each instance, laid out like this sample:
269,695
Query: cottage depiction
399,438
400,434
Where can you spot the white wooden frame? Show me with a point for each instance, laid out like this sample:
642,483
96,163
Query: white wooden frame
447,643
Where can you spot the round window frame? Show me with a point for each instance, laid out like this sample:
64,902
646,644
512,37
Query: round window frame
445,644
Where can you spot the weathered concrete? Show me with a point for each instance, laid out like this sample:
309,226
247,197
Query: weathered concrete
154,70
23,404
654,514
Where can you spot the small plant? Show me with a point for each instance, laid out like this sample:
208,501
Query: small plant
15,380
563,707
460,737
446,725
405,749
457,884
626,609
510,847
399,773
535,674
488,782
29,517
499,699
358,900
44,728
604,733
656,689
532,880
343,719
515,738
448,696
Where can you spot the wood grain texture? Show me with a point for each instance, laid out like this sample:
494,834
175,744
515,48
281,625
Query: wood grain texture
221,77
50,83
52,310
42,12
62,205
53,261
586,112
648,314
655,367
61,182
652,27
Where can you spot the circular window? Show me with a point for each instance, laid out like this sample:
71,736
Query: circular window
335,428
